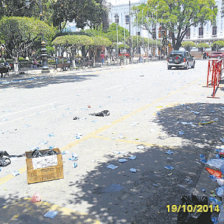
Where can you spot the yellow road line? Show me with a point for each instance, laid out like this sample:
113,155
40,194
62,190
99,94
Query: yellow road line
105,127
133,142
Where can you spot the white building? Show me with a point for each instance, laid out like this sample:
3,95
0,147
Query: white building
206,33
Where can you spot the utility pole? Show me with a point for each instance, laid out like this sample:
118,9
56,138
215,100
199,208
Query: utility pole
130,30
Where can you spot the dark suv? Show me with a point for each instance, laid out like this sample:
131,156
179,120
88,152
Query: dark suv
180,59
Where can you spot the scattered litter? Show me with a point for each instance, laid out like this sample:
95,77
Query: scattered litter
215,201
50,214
103,113
74,157
202,158
122,160
203,190
222,139
220,191
169,167
36,198
213,178
195,112
111,166
51,147
156,185
113,188
193,217
181,132
188,180
51,135
132,157
206,122
89,106
78,136
64,152
169,152
15,173
140,147
75,165
215,173
75,118
215,163
220,181
133,170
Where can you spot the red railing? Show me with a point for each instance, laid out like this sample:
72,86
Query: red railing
214,74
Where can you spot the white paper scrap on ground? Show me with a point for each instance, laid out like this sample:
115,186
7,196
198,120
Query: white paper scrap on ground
46,161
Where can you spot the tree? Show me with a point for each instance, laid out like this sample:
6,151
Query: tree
27,8
20,33
85,12
218,44
188,45
177,16
202,46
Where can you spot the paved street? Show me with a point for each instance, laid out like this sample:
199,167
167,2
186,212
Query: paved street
147,105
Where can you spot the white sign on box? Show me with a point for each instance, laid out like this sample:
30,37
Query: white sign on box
43,162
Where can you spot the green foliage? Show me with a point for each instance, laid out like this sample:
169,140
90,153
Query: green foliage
188,44
203,45
177,16
123,46
85,12
113,30
101,41
218,44
75,40
21,33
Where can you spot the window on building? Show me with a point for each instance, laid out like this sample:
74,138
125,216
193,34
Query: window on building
214,31
188,33
127,19
138,33
200,31
116,17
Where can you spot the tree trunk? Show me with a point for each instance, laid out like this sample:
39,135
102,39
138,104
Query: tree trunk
73,58
16,63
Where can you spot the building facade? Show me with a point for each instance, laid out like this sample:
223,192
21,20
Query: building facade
208,32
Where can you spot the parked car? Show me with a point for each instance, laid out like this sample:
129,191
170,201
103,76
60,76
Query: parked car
216,55
180,59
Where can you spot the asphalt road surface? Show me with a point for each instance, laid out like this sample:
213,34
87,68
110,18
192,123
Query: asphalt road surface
152,110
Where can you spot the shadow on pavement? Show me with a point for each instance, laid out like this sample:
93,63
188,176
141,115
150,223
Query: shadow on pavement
183,121
14,210
119,196
42,80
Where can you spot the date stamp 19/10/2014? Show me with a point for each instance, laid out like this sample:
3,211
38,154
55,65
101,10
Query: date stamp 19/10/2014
192,208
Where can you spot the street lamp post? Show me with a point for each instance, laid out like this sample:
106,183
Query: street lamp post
130,30
116,21
44,57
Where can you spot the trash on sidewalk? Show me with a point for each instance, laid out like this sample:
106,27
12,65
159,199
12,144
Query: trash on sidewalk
220,191
111,166
36,198
51,135
169,152
169,167
186,217
74,157
220,182
133,170
75,165
50,214
215,173
15,173
215,163
113,188
122,160
103,113
44,165
206,122
181,132
75,118
132,157
140,147
195,112
202,158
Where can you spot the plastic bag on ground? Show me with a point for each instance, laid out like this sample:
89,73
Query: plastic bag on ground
215,163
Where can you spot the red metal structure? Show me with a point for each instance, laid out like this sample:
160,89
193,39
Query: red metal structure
214,74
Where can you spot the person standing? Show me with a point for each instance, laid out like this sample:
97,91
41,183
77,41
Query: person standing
102,57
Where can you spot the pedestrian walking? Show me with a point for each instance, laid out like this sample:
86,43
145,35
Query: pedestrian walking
102,57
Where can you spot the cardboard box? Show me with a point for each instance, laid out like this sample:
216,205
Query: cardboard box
44,168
